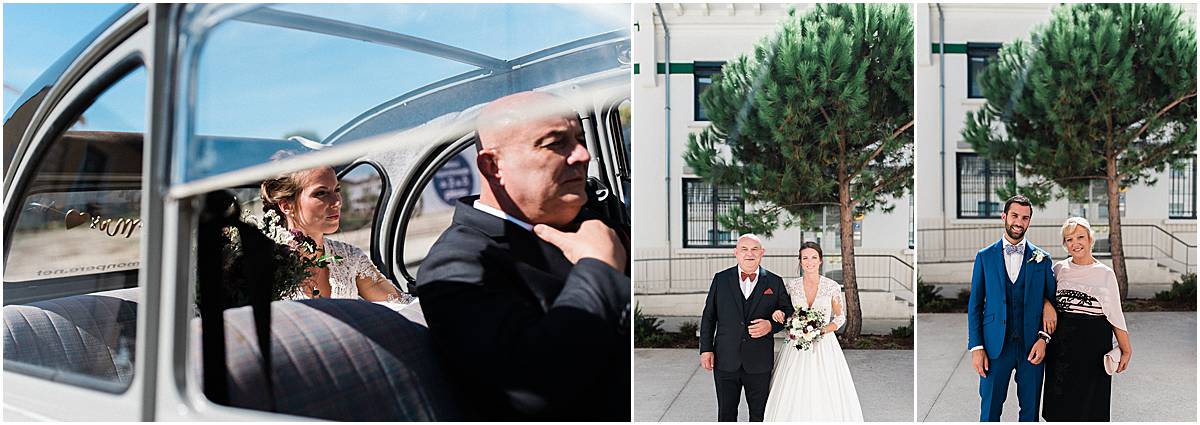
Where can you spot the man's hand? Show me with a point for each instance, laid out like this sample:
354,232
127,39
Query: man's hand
706,360
980,361
759,327
1049,317
778,316
1038,353
593,240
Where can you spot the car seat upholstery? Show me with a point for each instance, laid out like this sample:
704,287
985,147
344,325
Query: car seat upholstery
92,335
335,359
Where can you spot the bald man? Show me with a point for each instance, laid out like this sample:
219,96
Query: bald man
526,294
736,329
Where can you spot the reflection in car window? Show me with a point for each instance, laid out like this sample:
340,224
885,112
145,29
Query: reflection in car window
266,83
625,124
457,178
72,270
361,189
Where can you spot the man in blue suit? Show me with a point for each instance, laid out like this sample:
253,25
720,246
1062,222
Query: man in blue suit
1010,315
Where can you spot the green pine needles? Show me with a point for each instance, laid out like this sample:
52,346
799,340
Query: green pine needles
1101,92
819,115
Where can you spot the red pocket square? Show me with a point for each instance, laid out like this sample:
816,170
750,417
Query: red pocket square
769,291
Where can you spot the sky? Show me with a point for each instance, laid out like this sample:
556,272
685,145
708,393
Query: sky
35,35
263,81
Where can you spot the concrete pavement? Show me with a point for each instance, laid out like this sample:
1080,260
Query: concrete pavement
1159,386
670,385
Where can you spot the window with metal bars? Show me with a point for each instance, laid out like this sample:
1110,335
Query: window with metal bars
977,181
703,203
1183,191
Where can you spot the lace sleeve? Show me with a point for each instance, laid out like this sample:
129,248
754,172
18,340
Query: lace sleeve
795,290
838,305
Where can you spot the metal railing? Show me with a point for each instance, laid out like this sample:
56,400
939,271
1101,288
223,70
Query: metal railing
693,274
1141,241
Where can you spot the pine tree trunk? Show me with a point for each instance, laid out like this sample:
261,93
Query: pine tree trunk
1114,228
852,308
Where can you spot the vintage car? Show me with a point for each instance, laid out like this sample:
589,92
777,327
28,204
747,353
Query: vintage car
150,128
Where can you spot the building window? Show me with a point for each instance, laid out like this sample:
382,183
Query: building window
1095,204
978,56
1183,190
704,73
703,203
828,229
978,179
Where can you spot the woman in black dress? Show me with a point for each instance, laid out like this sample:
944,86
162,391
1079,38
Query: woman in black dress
1089,315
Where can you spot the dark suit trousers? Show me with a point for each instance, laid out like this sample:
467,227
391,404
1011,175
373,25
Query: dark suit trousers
994,389
729,390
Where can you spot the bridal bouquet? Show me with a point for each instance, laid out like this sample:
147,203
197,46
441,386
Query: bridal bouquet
804,328
291,253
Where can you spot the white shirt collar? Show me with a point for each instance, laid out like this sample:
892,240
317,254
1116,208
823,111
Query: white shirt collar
1005,243
757,272
501,214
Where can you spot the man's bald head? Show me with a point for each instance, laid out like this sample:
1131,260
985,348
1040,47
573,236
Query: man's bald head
510,114
532,158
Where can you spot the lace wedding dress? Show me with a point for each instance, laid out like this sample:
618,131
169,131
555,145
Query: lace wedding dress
343,275
814,384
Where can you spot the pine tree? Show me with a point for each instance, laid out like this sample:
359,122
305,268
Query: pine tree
819,115
1103,91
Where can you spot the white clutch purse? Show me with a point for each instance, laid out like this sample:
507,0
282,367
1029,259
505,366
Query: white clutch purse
1112,359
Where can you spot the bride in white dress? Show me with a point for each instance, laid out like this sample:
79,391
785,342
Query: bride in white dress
814,384
310,200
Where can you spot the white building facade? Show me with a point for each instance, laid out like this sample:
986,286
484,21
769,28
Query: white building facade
957,208
678,244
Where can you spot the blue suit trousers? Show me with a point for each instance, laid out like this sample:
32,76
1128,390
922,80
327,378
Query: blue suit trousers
993,389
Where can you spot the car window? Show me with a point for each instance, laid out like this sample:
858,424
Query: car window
362,187
75,247
625,126
434,210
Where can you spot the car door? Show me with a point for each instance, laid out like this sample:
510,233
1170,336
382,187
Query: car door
76,300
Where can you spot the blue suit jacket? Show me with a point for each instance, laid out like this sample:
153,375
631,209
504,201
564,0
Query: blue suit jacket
987,311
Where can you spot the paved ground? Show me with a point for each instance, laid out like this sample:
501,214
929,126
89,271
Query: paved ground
1159,386
669,385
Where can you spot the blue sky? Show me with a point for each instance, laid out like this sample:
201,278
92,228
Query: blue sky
262,81
35,35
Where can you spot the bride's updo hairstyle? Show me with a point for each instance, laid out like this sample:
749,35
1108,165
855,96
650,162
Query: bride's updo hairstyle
284,187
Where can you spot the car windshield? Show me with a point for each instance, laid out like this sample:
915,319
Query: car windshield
312,73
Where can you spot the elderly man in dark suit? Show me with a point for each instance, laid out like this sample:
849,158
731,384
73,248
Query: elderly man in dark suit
736,329
526,294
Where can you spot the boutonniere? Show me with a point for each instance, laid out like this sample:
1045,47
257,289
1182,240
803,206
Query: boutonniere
769,291
1038,255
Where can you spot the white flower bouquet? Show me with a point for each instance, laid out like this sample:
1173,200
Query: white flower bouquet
803,328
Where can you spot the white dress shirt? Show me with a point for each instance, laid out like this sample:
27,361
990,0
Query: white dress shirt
503,215
747,284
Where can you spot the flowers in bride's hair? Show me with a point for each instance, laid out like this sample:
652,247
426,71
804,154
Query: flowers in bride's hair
804,328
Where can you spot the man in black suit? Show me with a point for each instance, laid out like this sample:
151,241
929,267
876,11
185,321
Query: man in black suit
525,294
738,311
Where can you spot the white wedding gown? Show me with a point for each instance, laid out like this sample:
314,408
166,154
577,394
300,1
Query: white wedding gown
814,384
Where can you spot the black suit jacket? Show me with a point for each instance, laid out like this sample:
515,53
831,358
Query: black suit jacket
728,314
523,333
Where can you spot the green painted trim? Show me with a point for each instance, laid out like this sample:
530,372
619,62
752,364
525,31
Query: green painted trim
956,48
677,68
636,68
